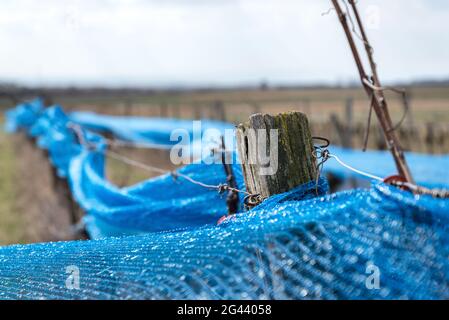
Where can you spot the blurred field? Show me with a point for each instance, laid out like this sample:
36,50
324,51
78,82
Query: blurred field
123,175
11,222
427,103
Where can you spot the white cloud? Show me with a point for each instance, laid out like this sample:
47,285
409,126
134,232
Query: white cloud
212,41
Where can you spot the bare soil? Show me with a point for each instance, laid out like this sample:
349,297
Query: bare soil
44,210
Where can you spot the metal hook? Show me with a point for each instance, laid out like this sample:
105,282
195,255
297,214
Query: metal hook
326,141
252,200
321,153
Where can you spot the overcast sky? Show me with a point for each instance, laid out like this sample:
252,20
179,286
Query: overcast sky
202,42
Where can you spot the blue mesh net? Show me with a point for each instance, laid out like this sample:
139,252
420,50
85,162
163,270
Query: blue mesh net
292,246
381,163
141,129
286,249
158,204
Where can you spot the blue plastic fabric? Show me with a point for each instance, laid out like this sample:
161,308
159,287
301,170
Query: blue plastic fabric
157,204
142,129
292,246
23,116
321,248
162,203
428,170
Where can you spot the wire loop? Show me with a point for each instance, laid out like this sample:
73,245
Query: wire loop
325,145
321,154
252,200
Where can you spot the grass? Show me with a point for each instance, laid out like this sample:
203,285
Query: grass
11,223
123,175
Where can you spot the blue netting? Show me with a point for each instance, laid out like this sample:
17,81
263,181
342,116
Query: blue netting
428,170
294,245
317,248
158,204
24,115
141,129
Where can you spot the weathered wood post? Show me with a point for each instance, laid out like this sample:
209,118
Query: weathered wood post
128,108
219,109
408,109
339,129
276,152
196,110
163,110
349,114
176,111
430,137
380,139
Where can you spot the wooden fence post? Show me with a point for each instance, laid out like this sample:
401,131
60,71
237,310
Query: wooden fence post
276,152
163,110
349,113
380,139
430,137
197,111
408,104
128,111
175,111
220,113
340,130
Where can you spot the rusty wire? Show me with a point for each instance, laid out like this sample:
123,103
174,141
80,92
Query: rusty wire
320,153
